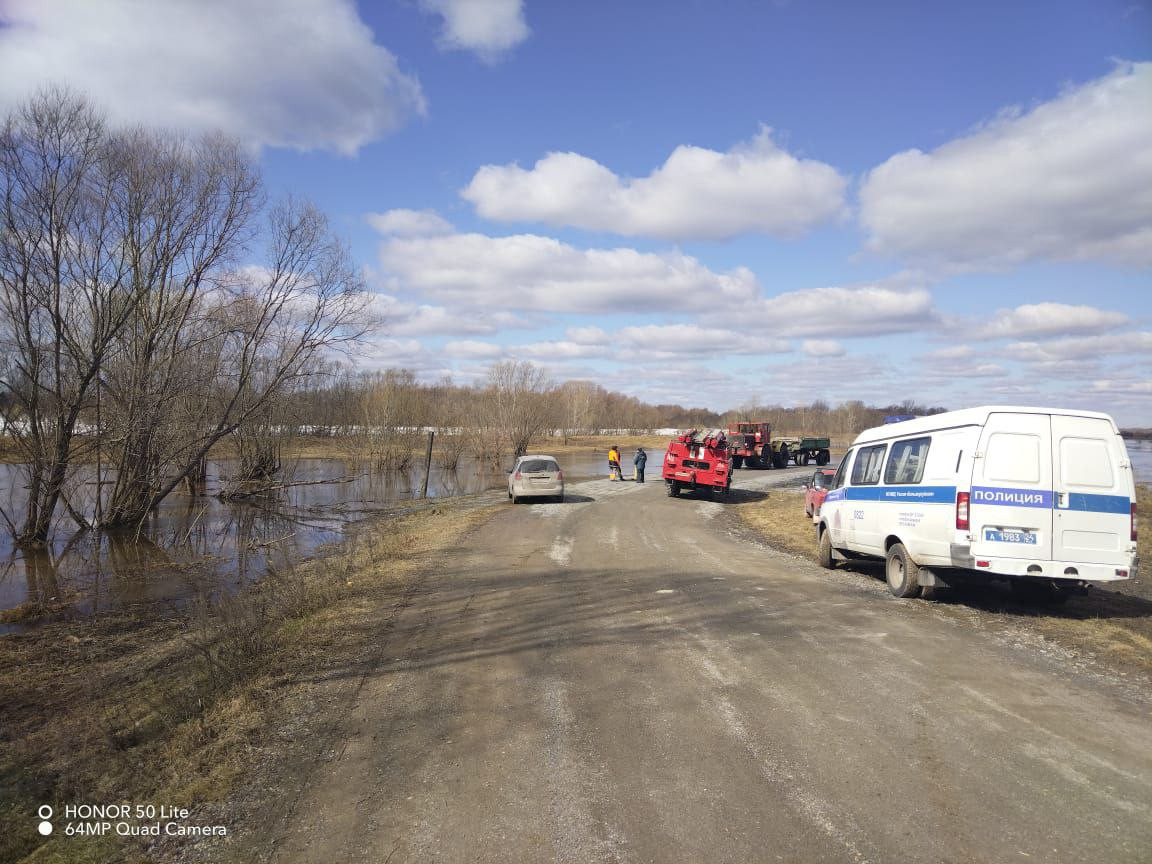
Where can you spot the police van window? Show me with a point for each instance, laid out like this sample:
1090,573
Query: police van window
1012,457
838,480
869,461
906,461
1085,462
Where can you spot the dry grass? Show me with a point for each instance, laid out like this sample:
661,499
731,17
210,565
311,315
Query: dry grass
1112,622
173,710
780,518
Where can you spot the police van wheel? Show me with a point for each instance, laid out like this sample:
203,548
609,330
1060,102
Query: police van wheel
901,573
824,555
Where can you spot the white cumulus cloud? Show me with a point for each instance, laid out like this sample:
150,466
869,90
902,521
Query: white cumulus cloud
696,194
661,340
1083,348
864,310
1049,319
530,272
1070,179
409,223
488,28
822,348
304,74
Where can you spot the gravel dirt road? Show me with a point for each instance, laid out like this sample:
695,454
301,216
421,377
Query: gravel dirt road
625,677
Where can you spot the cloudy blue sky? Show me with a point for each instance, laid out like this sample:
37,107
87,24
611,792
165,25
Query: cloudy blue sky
690,201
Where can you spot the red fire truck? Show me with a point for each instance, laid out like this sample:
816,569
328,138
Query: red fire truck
698,460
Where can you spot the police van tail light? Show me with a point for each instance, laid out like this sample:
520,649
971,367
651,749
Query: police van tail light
1133,521
962,511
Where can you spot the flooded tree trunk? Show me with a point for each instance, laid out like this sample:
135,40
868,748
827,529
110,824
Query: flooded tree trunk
197,478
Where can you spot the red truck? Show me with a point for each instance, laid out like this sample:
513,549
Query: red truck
751,445
698,460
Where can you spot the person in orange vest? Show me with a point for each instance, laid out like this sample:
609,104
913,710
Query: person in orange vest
614,472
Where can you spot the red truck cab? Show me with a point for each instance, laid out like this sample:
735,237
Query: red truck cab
698,460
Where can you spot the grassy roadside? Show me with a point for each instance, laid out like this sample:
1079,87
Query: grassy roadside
1112,622
175,710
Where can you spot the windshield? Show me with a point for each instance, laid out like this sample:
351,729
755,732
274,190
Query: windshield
534,465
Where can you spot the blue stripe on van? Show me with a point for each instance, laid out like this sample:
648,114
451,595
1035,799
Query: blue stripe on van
1099,503
1045,499
899,494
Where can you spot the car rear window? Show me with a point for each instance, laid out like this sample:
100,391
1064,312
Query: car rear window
533,465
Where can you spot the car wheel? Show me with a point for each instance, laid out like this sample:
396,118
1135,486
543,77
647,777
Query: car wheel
673,489
901,573
737,462
824,551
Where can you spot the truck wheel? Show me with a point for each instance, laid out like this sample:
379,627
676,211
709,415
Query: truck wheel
780,458
901,573
802,458
824,552
673,489
823,458
737,462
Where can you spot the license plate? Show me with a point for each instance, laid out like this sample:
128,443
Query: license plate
1010,536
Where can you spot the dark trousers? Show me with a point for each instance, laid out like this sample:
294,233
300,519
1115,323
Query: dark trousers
639,473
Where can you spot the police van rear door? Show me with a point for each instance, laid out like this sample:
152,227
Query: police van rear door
1093,492
1010,508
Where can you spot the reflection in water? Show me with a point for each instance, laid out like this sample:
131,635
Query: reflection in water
197,546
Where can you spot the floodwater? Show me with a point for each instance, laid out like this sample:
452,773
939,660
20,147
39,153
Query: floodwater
194,547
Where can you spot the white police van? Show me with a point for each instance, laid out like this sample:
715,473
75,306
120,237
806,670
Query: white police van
1041,496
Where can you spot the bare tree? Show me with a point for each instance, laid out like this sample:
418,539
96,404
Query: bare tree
65,289
126,331
578,404
254,337
517,404
391,406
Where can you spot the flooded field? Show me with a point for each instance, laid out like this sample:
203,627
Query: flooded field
194,546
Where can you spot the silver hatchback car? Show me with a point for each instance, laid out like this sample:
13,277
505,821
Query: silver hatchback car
536,477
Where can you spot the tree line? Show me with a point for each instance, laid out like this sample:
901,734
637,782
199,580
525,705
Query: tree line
516,402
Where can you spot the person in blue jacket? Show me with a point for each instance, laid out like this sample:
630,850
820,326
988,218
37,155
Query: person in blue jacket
640,460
